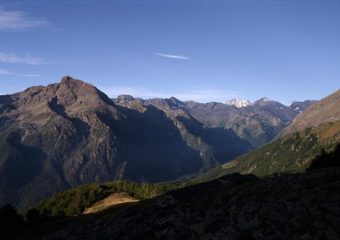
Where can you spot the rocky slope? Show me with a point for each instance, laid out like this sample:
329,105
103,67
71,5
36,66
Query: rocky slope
324,111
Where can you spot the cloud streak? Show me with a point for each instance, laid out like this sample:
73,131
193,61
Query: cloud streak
17,20
5,72
21,59
195,94
172,56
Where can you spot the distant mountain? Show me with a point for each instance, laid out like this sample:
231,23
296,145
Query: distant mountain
256,124
315,130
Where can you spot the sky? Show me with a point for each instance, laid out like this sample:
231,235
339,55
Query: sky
202,50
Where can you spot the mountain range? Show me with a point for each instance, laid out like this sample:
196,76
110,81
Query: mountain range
70,133
257,123
311,133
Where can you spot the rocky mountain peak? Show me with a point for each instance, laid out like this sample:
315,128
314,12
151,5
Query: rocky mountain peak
76,86
73,95
68,78
174,102
71,91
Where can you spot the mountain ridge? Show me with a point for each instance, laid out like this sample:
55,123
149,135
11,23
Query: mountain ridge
257,123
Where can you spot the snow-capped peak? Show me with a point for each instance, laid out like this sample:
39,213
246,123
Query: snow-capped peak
239,103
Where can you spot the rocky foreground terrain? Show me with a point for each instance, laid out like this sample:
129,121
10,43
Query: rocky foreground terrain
297,206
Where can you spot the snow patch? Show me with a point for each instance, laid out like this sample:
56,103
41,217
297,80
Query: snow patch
239,103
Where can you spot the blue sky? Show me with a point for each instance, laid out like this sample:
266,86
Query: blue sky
203,50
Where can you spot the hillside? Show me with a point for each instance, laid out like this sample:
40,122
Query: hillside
290,153
324,111
294,206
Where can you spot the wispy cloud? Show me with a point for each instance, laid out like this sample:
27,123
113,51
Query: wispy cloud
179,57
195,94
23,59
18,20
5,72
